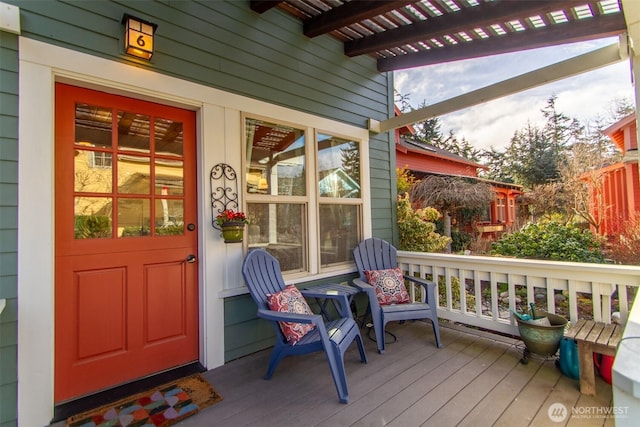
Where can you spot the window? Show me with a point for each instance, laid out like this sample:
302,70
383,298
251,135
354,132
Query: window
303,194
340,199
484,214
100,160
502,209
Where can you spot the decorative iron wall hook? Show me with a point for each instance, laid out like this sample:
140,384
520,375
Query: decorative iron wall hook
224,190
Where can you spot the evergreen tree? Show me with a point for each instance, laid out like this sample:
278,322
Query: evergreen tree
351,160
499,165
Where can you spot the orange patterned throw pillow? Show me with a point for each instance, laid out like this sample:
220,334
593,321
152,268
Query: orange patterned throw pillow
389,286
290,300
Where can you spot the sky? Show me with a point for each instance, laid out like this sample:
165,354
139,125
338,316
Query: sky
492,124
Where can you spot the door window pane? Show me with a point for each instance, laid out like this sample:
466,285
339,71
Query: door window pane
168,137
133,132
275,159
169,217
93,126
280,229
89,178
92,217
169,177
338,167
134,217
133,174
339,232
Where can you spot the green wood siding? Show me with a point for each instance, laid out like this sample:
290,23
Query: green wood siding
8,226
224,45
221,44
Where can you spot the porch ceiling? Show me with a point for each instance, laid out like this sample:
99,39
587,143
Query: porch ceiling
411,33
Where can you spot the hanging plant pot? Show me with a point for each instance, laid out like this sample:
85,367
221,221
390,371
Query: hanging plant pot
232,231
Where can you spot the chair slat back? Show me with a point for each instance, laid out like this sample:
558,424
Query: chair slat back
374,254
262,274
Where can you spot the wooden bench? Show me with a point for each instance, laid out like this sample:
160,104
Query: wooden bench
593,337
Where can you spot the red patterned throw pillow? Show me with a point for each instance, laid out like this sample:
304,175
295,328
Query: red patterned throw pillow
290,300
389,286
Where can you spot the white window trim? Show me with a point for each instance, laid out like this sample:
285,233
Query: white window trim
312,199
219,140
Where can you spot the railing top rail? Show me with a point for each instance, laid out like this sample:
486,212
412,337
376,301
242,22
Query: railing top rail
503,263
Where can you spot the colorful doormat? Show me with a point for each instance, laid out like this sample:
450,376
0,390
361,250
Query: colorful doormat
161,406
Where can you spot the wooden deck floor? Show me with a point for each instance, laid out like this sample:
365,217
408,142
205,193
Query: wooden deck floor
475,380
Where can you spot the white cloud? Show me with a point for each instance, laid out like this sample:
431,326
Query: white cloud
493,123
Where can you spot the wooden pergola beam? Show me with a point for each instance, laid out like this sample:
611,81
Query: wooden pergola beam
482,15
262,6
349,13
586,29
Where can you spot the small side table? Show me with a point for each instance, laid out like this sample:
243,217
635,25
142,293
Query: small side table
593,337
328,292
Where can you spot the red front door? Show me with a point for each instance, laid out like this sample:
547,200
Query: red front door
126,293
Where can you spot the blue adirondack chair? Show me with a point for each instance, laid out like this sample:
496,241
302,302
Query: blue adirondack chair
261,272
377,254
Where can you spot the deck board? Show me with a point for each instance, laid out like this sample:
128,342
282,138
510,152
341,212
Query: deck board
454,411
494,402
476,380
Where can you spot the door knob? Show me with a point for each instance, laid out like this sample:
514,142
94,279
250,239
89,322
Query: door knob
191,259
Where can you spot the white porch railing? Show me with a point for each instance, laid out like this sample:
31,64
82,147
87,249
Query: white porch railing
481,291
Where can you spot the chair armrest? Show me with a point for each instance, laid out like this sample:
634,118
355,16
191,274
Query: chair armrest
428,285
280,316
340,297
370,291
362,285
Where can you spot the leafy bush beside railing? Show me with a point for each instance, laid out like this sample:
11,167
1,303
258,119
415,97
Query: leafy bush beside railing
551,240
417,229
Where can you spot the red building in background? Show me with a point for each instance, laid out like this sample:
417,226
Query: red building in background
423,159
617,196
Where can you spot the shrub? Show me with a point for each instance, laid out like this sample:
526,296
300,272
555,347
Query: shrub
417,229
92,226
460,240
404,180
455,294
551,240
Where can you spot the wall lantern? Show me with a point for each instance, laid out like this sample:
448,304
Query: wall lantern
138,37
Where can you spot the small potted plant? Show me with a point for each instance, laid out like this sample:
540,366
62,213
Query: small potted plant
232,225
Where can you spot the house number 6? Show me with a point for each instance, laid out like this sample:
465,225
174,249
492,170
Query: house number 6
140,40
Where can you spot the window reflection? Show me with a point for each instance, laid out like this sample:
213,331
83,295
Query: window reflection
133,132
169,217
93,126
92,216
169,177
339,232
168,137
133,174
338,167
88,176
134,217
280,229
275,159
